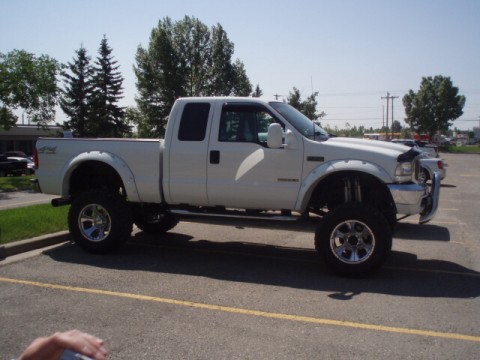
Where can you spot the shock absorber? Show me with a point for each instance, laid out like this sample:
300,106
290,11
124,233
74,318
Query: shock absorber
352,193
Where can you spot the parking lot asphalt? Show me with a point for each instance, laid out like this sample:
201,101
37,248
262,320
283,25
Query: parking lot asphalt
219,292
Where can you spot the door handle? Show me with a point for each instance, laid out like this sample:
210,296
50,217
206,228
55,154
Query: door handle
214,157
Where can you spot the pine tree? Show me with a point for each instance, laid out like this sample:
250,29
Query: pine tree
107,116
77,94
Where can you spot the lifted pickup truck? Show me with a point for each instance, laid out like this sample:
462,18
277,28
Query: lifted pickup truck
239,160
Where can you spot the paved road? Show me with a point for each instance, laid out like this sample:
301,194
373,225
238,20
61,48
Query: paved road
217,292
10,200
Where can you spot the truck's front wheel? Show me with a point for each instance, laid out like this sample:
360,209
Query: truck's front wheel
354,239
100,221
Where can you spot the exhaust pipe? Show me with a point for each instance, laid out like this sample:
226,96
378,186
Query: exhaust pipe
60,202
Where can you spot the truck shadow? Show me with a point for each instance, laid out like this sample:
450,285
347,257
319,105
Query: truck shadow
426,232
403,274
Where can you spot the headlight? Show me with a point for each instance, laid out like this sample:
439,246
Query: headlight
403,172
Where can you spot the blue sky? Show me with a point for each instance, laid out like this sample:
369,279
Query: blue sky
351,52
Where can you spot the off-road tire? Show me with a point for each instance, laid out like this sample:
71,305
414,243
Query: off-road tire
354,239
100,221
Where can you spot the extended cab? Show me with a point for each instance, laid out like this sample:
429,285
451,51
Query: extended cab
239,160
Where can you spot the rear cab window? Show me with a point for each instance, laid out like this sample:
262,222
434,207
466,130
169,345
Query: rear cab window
194,121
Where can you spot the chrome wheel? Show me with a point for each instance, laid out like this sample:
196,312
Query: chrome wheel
352,242
354,239
94,222
100,220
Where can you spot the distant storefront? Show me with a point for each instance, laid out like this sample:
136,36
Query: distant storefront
24,137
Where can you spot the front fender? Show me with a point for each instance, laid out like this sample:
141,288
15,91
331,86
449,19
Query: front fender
112,160
326,169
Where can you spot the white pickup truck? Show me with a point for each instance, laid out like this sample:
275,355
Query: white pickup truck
239,160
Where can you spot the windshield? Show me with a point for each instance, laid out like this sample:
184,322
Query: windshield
300,122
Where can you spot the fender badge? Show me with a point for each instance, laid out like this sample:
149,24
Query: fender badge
47,150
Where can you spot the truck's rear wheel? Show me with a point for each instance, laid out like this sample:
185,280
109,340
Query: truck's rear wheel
158,224
100,221
354,239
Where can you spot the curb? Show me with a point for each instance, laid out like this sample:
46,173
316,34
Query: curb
38,242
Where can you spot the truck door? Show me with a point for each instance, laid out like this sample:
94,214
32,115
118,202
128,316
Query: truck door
242,171
186,159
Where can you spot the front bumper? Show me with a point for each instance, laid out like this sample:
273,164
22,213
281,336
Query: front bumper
413,199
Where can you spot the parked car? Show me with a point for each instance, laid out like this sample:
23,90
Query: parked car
11,167
15,153
30,163
431,165
430,149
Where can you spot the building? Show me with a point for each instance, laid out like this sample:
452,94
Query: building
24,137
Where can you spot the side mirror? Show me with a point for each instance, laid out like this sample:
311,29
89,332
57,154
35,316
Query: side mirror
291,140
275,136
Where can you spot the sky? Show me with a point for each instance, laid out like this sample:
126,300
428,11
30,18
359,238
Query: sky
352,52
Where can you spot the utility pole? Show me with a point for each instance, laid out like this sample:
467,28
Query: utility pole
386,127
388,97
277,96
393,98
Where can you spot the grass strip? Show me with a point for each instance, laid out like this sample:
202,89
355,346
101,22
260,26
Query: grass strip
14,183
31,221
472,149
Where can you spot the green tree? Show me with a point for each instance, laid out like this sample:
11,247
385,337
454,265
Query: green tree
192,41
184,58
135,117
29,83
107,116
308,107
77,94
241,85
258,92
159,80
396,126
434,105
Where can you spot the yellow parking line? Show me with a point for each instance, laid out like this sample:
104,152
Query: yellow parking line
265,314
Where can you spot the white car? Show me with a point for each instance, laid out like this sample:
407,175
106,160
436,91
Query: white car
424,147
428,164
431,165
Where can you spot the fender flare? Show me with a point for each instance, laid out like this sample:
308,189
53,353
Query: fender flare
107,158
326,169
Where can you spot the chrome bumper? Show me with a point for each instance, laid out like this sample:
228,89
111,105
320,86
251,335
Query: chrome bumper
417,199
431,202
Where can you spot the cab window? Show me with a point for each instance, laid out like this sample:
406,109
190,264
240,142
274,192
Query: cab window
245,123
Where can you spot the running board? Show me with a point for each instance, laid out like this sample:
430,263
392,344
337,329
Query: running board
233,214
240,219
